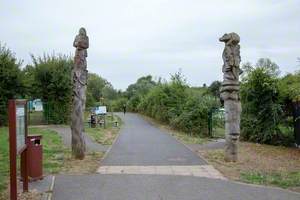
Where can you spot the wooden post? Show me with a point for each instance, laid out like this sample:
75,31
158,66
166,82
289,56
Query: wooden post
24,169
15,150
12,149
24,154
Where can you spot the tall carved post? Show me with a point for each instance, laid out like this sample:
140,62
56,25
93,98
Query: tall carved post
79,76
230,93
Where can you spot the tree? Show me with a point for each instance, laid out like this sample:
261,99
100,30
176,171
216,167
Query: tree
135,92
141,87
95,86
52,83
108,92
11,85
289,95
99,90
269,67
289,87
259,96
214,88
29,82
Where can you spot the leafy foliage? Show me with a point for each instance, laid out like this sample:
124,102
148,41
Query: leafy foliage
11,80
99,91
289,87
117,104
261,109
177,104
214,88
135,92
95,86
52,83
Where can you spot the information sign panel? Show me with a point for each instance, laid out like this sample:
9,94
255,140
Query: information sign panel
20,126
100,110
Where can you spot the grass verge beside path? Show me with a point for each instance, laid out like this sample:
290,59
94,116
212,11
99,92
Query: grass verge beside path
107,135
260,164
56,157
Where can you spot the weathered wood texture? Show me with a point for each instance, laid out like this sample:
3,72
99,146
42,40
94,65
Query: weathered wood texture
230,94
79,76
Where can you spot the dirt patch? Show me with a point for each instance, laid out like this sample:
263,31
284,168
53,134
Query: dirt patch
255,160
78,167
109,137
30,195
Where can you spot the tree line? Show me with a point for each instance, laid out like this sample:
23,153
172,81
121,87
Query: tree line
267,100
48,78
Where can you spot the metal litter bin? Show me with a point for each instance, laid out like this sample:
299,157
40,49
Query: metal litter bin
35,157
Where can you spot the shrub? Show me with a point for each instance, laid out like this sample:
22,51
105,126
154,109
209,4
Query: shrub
194,114
52,83
11,85
117,105
179,105
261,110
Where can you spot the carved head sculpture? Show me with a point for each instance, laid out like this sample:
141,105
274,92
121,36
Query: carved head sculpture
81,40
82,31
230,38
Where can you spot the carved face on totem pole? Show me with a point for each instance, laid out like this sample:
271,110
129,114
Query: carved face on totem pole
231,57
81,41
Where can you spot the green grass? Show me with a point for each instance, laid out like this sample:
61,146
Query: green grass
53,150
4,158
283,180
53,153
189,139
36,118
218,132
105,135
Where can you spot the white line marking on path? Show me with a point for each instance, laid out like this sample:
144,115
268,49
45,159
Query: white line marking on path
207,171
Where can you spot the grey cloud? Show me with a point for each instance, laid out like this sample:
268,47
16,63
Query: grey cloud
131,38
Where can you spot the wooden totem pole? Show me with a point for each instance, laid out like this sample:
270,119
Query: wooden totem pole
79,76
230,94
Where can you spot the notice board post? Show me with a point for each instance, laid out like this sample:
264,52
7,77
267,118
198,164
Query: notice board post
17,118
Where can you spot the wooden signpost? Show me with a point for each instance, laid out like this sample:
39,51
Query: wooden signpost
17,111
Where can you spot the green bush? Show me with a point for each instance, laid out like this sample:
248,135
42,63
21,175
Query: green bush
117,105
52,83
177,104
135,92
194,114
261,109
11,83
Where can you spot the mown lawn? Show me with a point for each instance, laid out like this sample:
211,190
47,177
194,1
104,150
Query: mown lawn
53,153
4,164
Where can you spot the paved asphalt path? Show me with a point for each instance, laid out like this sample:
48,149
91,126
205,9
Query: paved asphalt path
154,187
140,143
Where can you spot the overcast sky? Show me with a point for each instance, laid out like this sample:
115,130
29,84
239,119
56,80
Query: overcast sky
132,38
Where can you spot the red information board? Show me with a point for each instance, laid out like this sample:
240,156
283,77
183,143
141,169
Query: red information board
17,118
